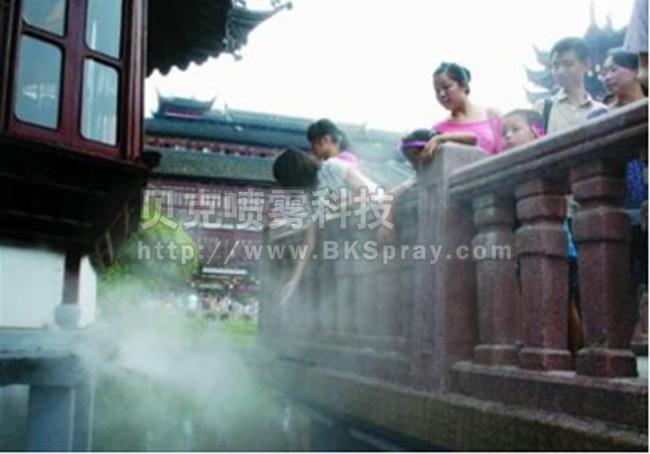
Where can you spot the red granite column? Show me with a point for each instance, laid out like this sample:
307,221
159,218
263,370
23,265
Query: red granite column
602,230
443,324
541,248
496,286
306,303
315,296
328,274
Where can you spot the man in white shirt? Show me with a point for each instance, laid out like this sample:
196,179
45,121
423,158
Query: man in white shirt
572,105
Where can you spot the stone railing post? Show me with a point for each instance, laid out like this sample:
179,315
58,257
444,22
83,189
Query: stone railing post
602,231
541,247
496,285
444,312
315,296
328,275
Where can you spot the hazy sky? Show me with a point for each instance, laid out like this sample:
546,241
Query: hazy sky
370,61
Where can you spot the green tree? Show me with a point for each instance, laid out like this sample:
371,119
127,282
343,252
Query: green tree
159,258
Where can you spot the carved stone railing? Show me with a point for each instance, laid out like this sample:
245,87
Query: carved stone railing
587,162
352,310
492,325
519,199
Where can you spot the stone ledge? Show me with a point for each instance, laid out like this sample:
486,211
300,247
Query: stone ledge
45,368
449,421
622,402
391,366
52,357
621,131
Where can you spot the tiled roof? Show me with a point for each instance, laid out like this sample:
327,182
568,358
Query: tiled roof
195,164
268,130
180,32
234,132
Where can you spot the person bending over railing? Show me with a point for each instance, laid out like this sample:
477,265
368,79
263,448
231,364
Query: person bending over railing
298,170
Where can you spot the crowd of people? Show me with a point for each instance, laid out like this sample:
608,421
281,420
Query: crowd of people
332,164
226,308
211,306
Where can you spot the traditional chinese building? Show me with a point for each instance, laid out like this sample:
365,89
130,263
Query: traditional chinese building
215,175
72,174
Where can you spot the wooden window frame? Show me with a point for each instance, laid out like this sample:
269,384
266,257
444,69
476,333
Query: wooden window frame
74,54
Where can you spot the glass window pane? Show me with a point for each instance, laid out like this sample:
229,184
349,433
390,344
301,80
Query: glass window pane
38,82
104,26
45,14
99,108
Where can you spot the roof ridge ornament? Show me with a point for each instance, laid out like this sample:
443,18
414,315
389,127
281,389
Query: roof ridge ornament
242,20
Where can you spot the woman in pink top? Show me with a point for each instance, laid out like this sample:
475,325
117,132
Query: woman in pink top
468,123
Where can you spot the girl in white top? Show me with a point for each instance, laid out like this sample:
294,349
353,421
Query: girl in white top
299,170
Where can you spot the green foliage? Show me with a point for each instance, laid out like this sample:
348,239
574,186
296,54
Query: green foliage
239,327
161,256
164,418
